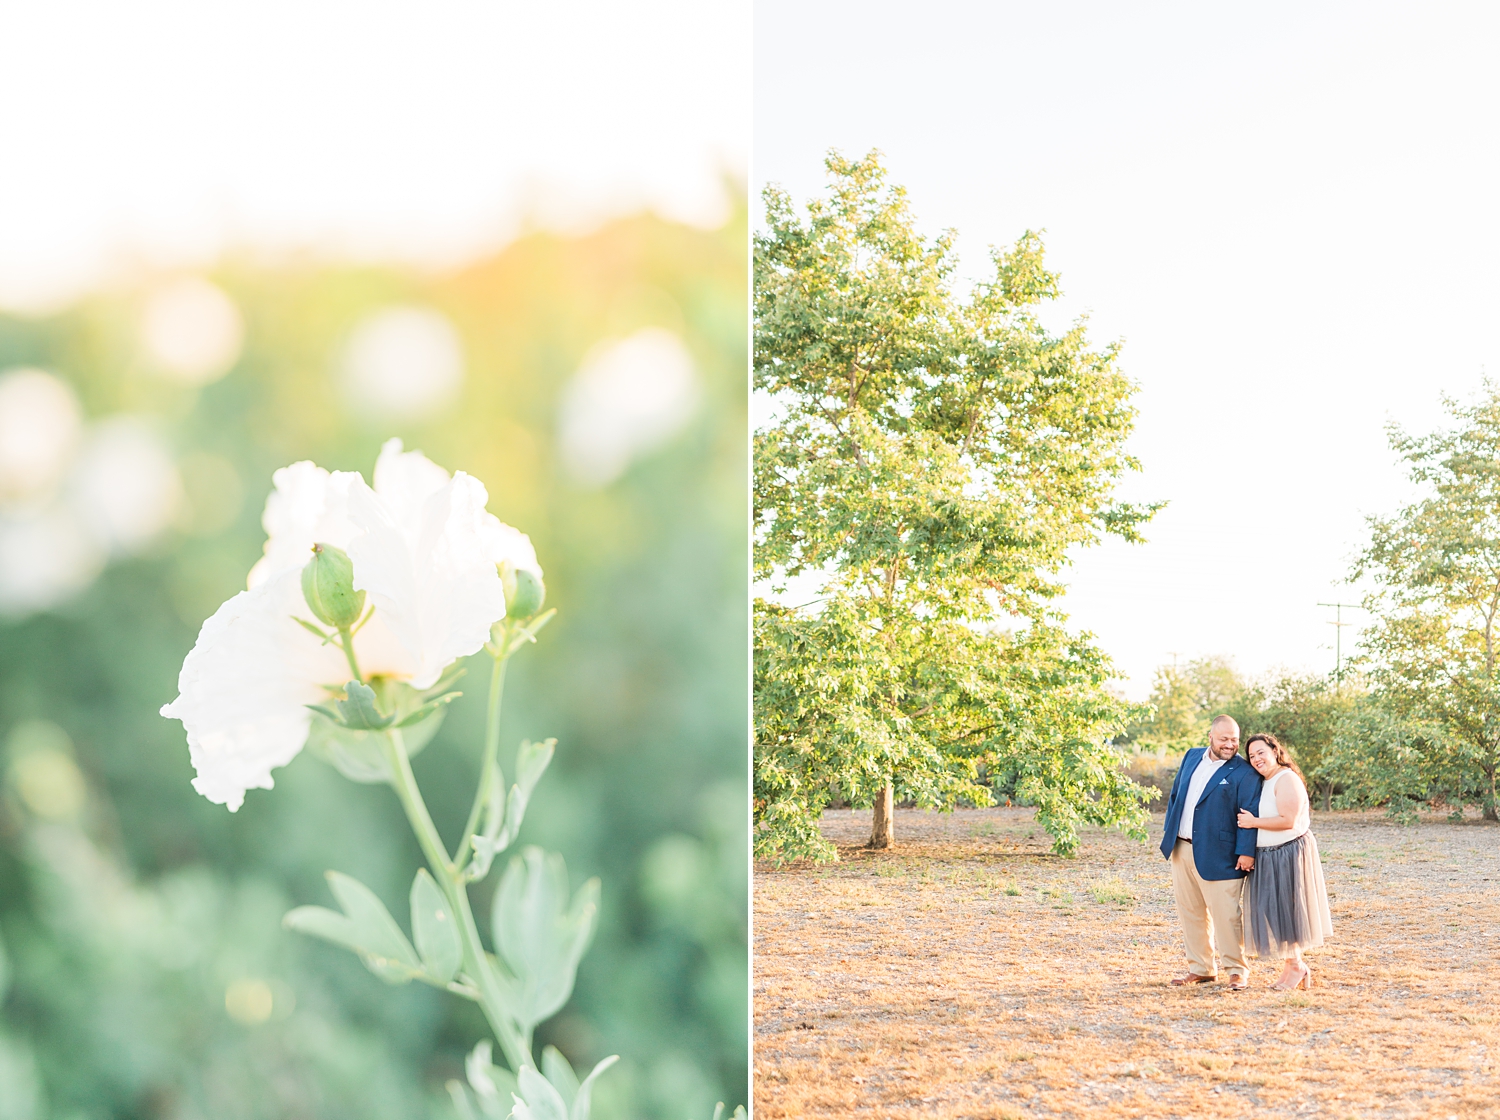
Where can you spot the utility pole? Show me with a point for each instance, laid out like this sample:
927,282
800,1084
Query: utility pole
1338,643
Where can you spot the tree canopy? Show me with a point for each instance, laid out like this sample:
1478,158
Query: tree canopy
1433,650
932,458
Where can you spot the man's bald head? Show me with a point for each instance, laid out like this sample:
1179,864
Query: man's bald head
1223,737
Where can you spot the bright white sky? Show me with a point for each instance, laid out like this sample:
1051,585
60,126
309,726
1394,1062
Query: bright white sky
165,131
1287,212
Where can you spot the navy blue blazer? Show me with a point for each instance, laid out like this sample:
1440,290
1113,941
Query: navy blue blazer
1217,838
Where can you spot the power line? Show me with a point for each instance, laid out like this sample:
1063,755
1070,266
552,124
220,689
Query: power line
1338,634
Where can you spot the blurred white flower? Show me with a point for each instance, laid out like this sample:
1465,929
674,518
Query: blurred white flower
125,484
39,427
66,507
46,557
403,363
424,550
192,331
629,398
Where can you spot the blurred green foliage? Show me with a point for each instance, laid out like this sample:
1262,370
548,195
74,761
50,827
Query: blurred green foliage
144,970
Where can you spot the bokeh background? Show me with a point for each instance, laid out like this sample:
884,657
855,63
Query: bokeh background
305,280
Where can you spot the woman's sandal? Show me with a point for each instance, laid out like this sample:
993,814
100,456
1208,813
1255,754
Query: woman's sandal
1304,980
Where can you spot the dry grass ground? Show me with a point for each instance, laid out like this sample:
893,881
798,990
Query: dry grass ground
969,973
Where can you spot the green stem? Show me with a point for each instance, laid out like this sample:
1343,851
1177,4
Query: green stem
450,879
346,641
416,808
487,771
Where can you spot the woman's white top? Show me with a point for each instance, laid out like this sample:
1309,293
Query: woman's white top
1267,837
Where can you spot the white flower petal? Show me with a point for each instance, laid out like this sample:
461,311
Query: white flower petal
425,552
428,573
244,688
381,653
307,506
503,542
405,480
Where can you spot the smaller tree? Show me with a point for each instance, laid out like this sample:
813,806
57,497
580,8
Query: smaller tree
1183,702
1379,756
1304,711
1433,652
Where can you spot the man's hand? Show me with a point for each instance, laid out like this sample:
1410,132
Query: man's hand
1245,863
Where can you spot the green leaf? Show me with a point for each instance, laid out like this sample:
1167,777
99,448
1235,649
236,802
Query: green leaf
358,755
330,925
561,1074
540,936
486,845
359,712
428,709
361,755
460,1098
451,675
365,926
583,1101
531,763
503,820
327,637
539,1100
495,1087
527,634
434,930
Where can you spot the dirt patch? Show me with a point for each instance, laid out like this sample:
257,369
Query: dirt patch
969,973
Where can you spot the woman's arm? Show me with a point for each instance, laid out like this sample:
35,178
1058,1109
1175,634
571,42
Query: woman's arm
1289,796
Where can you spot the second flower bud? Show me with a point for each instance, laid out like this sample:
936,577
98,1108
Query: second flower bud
328,587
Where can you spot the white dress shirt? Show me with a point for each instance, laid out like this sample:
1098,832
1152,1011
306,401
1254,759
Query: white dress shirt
1207,765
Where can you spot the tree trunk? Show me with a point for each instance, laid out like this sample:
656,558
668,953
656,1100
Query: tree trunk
1328,797
1489,802
883,834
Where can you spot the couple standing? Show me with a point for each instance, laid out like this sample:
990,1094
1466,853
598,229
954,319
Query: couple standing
1245,868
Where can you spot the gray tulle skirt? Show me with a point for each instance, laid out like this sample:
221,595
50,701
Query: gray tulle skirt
1285,905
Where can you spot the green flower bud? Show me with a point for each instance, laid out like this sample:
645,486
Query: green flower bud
524,592
328,587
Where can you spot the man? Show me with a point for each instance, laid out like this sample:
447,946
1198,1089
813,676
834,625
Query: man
1210,853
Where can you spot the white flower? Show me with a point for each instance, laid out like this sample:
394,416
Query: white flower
424,551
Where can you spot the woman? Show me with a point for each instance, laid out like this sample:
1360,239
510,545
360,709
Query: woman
1285,903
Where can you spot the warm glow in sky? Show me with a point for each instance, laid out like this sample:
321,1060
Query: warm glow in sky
166,131
1287,213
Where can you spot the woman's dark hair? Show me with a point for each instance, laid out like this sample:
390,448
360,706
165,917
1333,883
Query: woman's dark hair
1283,756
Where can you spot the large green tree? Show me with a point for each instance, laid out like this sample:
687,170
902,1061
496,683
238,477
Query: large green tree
931,459
1433,651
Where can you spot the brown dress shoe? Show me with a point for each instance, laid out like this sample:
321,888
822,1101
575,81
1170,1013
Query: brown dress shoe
1192,978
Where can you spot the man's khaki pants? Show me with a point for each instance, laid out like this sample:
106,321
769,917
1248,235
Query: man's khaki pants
1208,907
